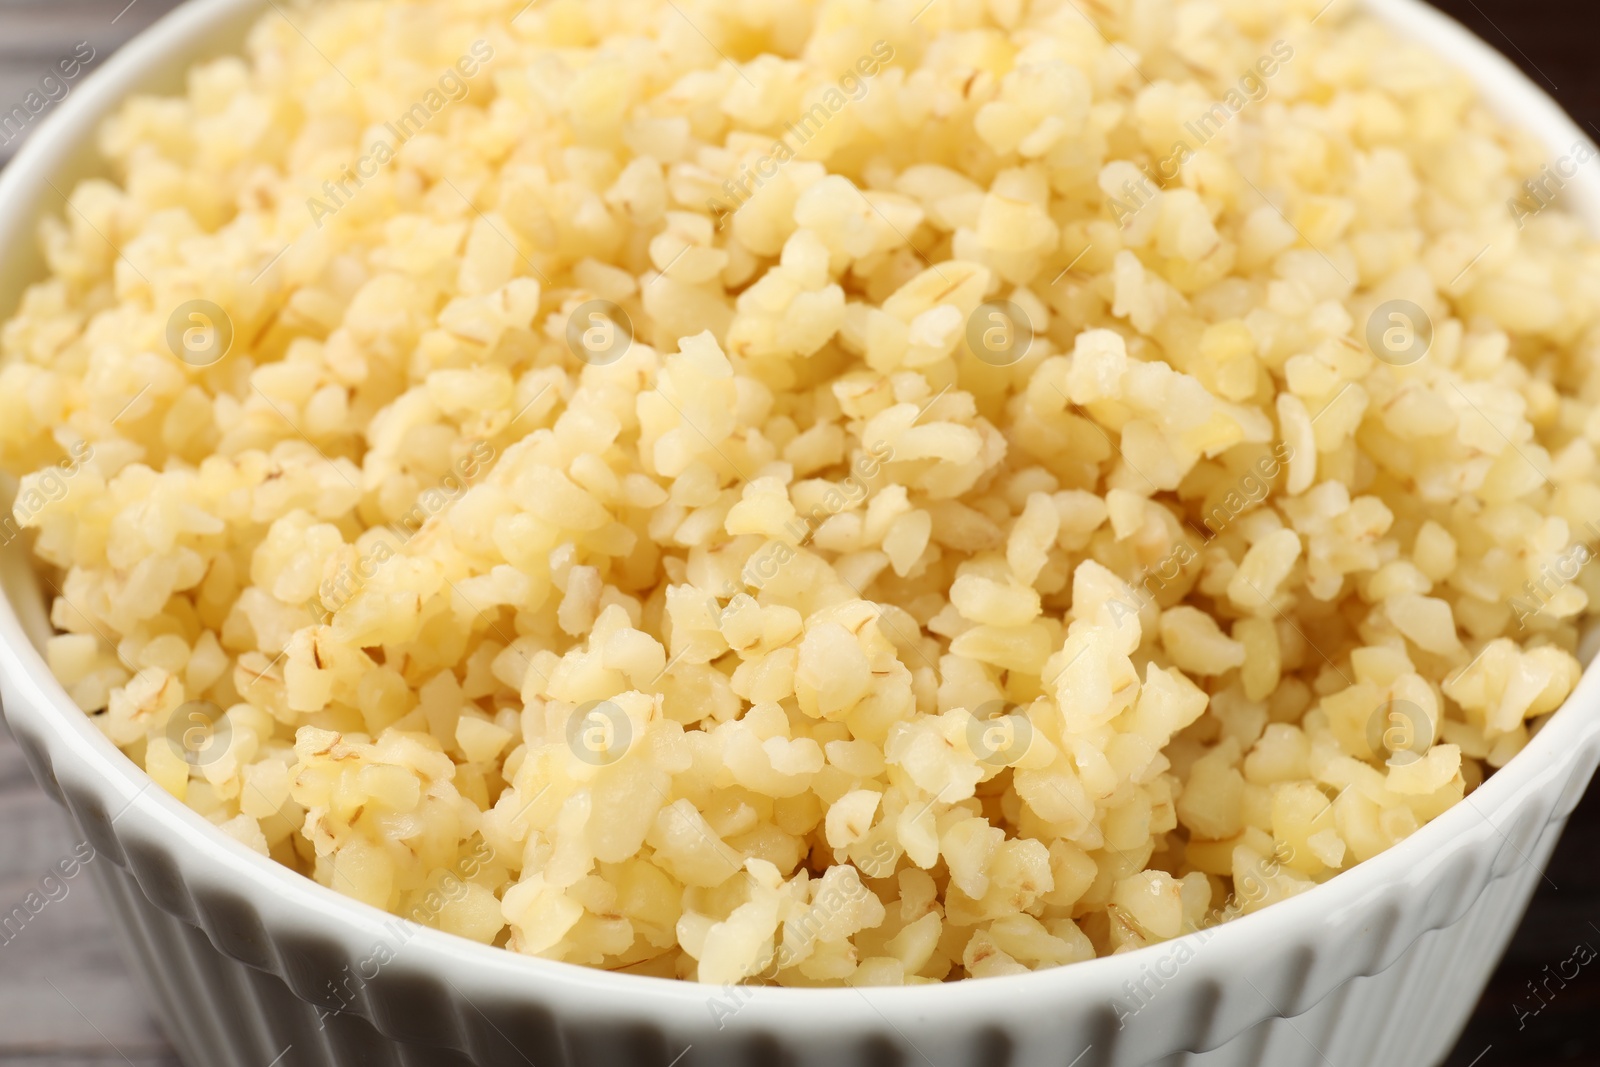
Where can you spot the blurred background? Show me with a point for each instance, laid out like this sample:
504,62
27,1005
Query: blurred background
66,999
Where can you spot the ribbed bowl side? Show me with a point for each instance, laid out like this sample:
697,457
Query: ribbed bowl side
221,1012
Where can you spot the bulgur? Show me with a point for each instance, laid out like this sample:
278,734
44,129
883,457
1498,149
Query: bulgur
813,492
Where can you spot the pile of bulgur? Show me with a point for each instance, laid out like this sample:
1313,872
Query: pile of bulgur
815,492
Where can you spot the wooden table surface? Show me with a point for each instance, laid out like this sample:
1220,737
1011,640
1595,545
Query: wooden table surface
67,1000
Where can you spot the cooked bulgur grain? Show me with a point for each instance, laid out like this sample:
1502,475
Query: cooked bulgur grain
813,492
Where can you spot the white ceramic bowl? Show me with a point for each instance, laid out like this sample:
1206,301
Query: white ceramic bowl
1379,967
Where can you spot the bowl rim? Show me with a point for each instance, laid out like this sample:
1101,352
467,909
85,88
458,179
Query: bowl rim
38,706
